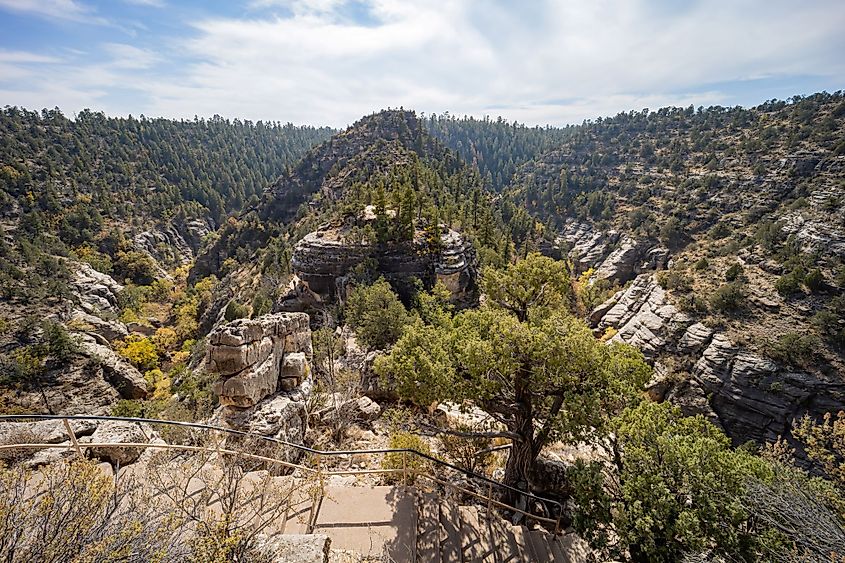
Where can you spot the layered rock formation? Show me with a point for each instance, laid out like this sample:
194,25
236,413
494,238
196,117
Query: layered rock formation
95,291
323,259
613,255
175,243
258,357
265,378
752,397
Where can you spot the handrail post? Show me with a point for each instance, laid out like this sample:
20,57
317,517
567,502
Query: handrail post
73,441
404,468
489,499
557,525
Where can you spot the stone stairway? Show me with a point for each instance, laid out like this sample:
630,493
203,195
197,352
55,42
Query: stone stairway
402,524
449,533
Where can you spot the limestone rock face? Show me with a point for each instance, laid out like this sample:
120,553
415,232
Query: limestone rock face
752,397
258,357
107,330
97,292
613,255
644,318
173,242
122,375
323,259
265,368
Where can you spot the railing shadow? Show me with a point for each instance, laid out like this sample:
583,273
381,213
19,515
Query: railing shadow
436,468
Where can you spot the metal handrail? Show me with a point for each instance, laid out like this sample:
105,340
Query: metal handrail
300,447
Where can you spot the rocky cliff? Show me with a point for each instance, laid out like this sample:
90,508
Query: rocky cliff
264,368
323,260
613,255
703,371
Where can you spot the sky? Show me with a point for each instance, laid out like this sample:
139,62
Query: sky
328,62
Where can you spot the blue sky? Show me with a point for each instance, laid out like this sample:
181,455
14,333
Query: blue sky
327,62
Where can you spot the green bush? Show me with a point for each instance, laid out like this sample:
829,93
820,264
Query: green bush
733,273
792,348
727,298
814,280
376,314
235,310
402,439
701,265
788,284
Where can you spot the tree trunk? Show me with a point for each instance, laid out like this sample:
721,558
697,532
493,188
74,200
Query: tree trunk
520,463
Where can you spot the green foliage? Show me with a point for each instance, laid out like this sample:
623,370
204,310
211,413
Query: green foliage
434,307
674,279
814,280
792,348
678,489
701,265
534,284
728,298
130,165
135,266
60,345
549,365
376,314
734,272
235,310
789,284
261,304
399,440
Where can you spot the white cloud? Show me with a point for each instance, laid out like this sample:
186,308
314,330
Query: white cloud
129,57
54,9
150,3
552,61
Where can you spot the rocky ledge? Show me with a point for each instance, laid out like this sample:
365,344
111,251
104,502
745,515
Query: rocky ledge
752,397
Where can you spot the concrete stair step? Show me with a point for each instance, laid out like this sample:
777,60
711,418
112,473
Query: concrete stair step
575,549
372,521
428,528
450,533
476,540
523,542
557,549
540,543
507,548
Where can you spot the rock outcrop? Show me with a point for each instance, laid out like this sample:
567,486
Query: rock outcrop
173,243
265,379
323,259
614,256
97,292
258,357
752,397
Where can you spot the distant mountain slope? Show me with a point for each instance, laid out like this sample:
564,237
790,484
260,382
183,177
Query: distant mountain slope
497,147
387,156
126,167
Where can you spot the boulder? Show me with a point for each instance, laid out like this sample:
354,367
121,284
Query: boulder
96,291
108,330
293,548
122,375
117,432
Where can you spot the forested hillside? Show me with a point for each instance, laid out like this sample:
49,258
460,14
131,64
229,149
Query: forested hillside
496,147
125,167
